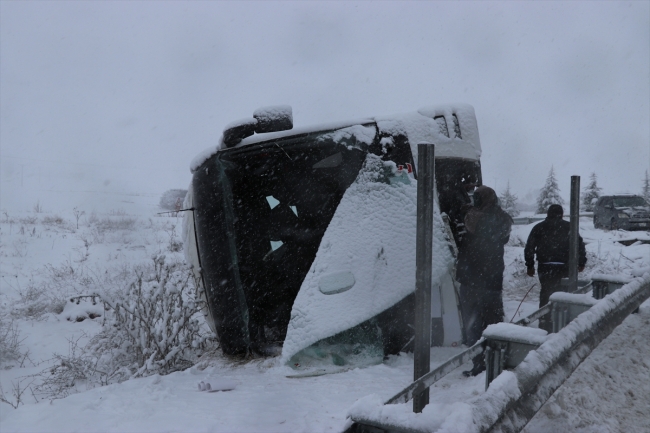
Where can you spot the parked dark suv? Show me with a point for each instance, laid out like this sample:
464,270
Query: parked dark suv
627,212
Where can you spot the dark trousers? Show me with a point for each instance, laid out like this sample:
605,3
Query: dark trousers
479,308
550,278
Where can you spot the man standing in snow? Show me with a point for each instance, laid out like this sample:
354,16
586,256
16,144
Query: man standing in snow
480,268
549,240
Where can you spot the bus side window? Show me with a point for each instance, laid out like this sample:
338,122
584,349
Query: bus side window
457,127
442,125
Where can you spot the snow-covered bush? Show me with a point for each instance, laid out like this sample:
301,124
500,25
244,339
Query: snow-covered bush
151,325
172,199
51,292
175,244
154,325
36,300
69,373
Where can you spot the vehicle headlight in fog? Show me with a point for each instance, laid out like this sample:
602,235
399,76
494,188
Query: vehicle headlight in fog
623,215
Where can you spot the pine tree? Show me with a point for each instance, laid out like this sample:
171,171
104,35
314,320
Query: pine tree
550,194
591,193
509,202
645,191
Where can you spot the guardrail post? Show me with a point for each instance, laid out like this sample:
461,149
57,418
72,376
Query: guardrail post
423,271
600,289
568,306
573,236
495,360
489,365
606,285
558,318
507,344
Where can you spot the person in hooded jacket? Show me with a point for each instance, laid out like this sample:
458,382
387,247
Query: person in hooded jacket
480,268
549,240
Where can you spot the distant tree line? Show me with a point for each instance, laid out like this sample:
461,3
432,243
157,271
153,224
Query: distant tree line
550,194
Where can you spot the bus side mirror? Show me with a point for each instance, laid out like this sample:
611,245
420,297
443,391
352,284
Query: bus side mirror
265,119
273,118
237,131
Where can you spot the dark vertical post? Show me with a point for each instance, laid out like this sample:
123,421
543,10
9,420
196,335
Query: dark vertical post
423,258
573,236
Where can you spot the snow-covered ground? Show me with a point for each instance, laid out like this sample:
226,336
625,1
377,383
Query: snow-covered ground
44,256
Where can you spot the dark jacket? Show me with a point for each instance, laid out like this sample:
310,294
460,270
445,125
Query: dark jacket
480,256
549,240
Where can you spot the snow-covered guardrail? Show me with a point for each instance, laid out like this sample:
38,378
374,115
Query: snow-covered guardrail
607,284
435,375
451,364
514,396
582,288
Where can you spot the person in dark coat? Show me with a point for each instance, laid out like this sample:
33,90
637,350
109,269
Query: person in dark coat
480,268
549,240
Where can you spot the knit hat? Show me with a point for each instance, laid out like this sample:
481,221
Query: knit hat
554,211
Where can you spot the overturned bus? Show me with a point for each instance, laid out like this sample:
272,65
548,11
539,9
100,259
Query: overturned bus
303,240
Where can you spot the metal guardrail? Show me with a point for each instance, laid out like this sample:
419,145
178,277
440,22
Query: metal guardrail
547,308
520,221
433,376
536,388
456,361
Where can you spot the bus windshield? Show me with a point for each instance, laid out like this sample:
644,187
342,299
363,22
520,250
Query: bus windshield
261,213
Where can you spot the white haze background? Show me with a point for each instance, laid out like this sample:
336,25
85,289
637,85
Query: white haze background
104,104
101,101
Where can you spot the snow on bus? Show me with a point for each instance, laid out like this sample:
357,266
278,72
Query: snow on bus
304,239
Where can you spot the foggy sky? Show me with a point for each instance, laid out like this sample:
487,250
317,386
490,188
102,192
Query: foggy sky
112,99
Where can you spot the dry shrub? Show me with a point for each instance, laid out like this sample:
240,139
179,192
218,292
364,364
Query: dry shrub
28,220
53,220
153,325
10,342
114,224
50,294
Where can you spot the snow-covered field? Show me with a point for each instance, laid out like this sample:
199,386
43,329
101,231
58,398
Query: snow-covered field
45,258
